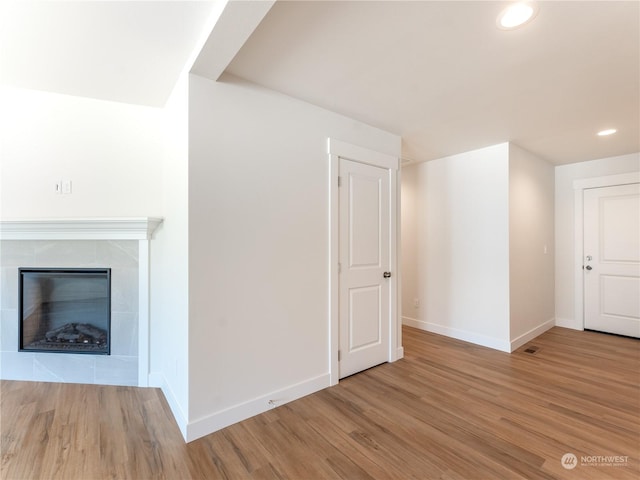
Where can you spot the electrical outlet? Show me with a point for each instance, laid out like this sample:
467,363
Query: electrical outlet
416,302
66,186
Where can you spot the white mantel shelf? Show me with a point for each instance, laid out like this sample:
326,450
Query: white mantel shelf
96,228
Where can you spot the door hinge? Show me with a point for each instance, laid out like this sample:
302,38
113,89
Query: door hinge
339,355
339,181
339,268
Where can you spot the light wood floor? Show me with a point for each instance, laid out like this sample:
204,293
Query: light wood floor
449,410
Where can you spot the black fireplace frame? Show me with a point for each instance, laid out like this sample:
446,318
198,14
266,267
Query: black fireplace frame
103,271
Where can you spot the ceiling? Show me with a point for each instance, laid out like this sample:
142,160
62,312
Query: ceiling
438,73
130,52
442,75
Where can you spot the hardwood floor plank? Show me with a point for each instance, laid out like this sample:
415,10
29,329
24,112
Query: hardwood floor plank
449,410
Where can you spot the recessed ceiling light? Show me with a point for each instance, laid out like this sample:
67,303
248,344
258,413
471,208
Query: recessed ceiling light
516,15
609,131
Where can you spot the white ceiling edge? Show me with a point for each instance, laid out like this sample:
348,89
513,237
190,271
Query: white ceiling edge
236,21
214,18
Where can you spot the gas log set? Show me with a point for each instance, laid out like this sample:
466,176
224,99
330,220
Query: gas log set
78,336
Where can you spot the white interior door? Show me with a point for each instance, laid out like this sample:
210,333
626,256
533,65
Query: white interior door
364,313
612,259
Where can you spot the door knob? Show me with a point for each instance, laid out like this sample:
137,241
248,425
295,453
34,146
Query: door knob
386,274
588,267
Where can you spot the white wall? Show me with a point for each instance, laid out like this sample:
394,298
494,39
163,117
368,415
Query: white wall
258,243
110,151
409,252
564,227
531,245
462,228
169,310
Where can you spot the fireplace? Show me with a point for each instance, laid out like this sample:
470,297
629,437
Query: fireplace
65,310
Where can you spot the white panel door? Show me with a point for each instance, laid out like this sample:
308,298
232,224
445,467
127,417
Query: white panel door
364,315
612,259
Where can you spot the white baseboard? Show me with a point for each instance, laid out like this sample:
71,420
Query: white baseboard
531,334
158,380
569,323
229,416
464,335
399,353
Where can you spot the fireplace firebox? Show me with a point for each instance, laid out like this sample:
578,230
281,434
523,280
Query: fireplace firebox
65,310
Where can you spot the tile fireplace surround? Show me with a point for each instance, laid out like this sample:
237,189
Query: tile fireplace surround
121,244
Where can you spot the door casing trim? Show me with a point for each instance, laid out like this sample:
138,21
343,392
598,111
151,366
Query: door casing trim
336,150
